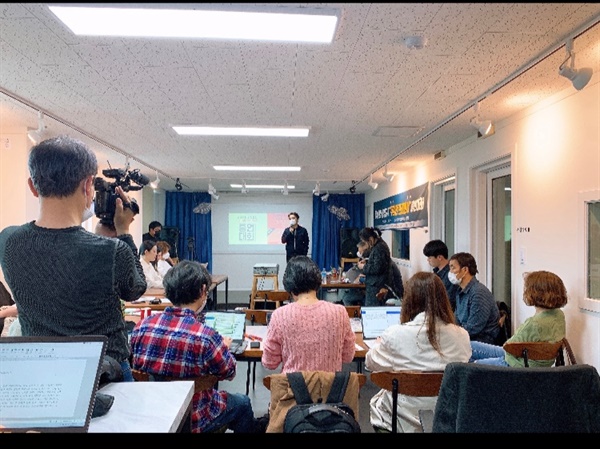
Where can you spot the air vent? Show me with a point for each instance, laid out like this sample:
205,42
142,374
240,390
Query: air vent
439,155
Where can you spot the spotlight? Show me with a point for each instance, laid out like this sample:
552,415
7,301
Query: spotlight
212,191
352,188
388,176
154,184
317,189
580,77
178,185
35,135
373,185
485,128
325,197
285,189
244,188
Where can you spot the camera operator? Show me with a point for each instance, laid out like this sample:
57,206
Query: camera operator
66,280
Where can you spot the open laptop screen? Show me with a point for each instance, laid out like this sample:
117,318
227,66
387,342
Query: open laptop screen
228,324
48,384
376,319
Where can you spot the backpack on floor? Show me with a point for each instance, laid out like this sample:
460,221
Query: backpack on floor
332,416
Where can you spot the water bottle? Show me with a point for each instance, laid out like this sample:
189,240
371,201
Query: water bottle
324,276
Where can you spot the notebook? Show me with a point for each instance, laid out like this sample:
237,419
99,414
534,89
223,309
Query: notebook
49,384
229,324
376,319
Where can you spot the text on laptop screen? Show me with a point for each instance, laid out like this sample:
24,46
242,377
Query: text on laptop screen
377,319
227,324
47,385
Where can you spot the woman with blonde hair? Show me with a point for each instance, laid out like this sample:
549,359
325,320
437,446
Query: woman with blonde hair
547,293
426,339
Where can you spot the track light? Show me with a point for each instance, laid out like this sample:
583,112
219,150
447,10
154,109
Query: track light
373,185
485,128
35,135
212,191
154,184
244,188
317,189
388,176
178,185
580,77
285,189
325,197
352,188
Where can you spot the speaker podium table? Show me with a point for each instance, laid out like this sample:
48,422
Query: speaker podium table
255,289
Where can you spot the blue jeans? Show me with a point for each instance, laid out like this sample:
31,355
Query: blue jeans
126,368
487,354
238,415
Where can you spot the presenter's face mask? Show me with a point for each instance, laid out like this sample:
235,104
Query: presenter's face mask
292,221
166,256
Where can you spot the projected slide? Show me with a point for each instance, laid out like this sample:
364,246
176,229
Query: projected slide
257,228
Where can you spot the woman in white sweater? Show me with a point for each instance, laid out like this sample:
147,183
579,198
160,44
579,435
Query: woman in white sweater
425,339
148,260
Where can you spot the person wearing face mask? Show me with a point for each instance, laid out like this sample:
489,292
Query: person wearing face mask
476,308
148,260
176,342
163,259
66,280
295,238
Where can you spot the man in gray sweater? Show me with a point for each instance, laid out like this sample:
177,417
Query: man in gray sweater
64,279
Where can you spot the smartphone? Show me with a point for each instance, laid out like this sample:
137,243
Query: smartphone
255,344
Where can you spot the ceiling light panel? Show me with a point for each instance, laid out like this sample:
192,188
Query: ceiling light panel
189,23
241,131
253,168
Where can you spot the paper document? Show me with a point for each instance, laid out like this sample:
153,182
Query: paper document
358,347
356,324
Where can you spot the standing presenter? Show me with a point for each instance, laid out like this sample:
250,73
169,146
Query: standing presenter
295,238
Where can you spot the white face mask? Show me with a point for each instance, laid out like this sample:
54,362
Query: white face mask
166,256
359,254
452,278
292,222
88,212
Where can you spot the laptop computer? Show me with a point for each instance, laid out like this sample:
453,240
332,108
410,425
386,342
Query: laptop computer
229,324
49,384
376,319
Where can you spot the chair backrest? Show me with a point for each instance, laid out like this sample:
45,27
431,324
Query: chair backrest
258,316
502,399
409,383
353,311
201,383
536,350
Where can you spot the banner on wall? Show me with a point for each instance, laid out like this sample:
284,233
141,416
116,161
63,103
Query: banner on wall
404,210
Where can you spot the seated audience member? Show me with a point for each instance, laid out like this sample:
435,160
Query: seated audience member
307,334
163,259
176,342
476,309
436,252
376,268
425,339
547,293
394,287
355,296
148,260
64,279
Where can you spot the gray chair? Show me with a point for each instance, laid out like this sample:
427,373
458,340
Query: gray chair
477,398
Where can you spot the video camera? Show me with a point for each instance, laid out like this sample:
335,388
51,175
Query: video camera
105,199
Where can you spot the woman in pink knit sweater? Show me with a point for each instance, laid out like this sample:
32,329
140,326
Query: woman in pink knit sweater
307,334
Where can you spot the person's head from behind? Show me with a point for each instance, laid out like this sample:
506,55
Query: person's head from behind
154,228
59,166
163,248
186,282
302,275
425,292
462,265
436,252
149,251
369,235
363,249
544,289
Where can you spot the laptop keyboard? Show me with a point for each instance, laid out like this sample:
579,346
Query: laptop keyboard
238,346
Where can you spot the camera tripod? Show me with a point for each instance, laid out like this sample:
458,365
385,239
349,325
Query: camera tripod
191,248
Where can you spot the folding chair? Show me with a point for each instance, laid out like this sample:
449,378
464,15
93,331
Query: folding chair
541,350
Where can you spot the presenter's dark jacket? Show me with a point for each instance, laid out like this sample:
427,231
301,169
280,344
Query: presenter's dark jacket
296,243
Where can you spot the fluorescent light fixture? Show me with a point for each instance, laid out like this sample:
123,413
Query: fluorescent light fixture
190,23
262,186
253,168
242,131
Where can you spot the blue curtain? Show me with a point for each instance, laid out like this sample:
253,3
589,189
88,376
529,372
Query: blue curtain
191,213
340,211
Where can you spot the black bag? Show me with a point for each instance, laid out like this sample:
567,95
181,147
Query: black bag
333,416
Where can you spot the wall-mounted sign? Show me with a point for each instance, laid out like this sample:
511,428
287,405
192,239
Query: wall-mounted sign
404,210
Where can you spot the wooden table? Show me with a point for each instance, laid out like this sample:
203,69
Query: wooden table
151,293
338,285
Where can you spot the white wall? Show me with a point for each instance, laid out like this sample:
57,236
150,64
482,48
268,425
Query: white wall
554,151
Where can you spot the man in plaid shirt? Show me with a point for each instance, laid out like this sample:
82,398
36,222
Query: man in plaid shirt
177,343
